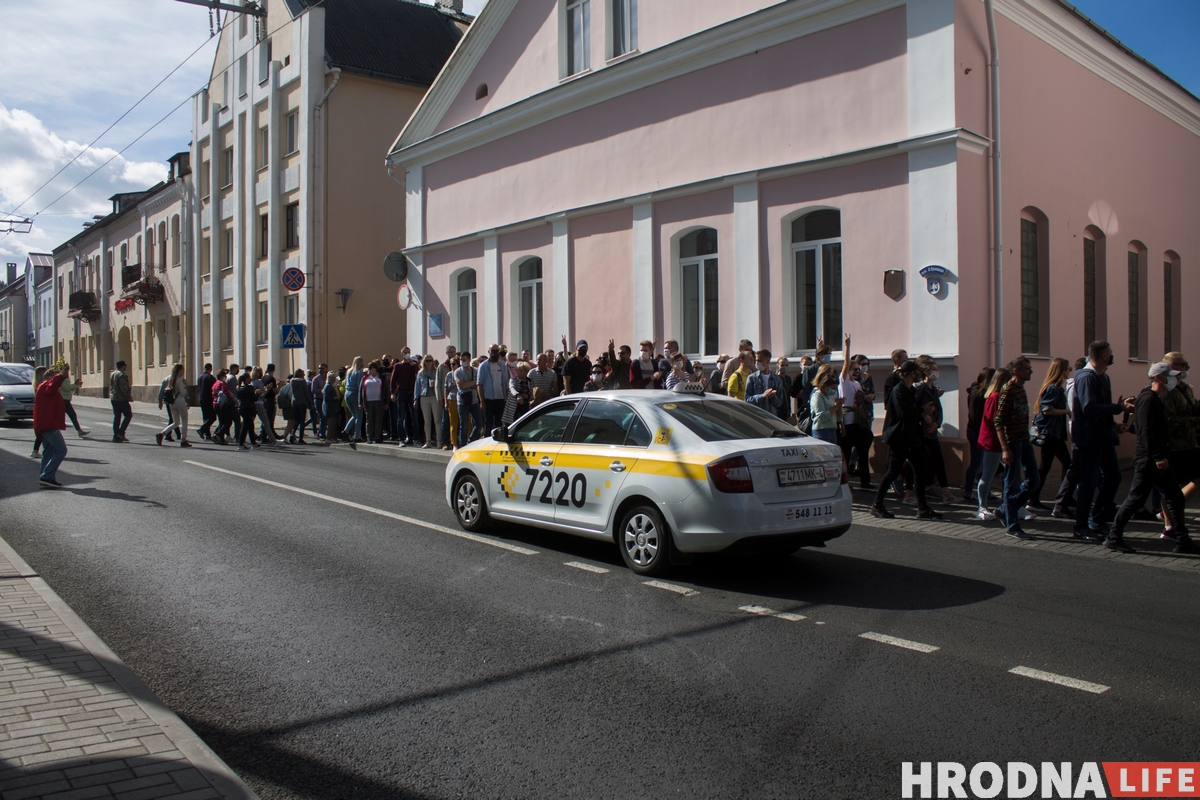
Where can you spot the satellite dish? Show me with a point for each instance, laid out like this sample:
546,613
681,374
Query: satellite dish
395,266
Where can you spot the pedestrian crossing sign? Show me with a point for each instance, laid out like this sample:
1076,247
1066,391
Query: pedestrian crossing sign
293,337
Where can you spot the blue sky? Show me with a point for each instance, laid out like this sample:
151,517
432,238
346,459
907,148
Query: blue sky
71,67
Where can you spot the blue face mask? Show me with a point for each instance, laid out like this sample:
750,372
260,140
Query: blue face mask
825,359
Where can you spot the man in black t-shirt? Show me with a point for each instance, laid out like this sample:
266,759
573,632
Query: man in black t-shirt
578,369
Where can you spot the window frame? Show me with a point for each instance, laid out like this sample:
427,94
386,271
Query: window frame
467,327
541,411
701,263
622,41
264,235
264,322
291,226
627,431
1137,305
227,168
1034,282
536,312
571,62
291,133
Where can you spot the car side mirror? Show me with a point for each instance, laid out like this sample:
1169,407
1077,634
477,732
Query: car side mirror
500,434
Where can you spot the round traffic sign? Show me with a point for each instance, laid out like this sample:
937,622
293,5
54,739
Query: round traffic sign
404,296
293,279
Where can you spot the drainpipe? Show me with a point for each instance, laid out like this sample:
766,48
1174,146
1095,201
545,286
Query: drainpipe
319,191
997,211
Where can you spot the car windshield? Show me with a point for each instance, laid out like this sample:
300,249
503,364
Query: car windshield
722,420
15,375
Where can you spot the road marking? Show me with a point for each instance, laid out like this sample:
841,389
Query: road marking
525,551
907,644
757,610
1061,680
585,567
670,587
790,617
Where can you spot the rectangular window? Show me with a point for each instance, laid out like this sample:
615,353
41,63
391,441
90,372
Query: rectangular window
227,248
578,35
264,235
125,254
227,329
60,292
243,78
1030,291
624,27
1089,291
227,168
264,322
243,26
162,343
700,310
1168,323
291,142
205,256
225,90
1135,317
264,148
205,178
108,271
818,280
291,226
291,310
206,334
264,61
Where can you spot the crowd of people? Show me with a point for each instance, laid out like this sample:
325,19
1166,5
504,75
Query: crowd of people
424,401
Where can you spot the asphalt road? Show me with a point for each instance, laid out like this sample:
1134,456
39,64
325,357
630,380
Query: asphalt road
327,651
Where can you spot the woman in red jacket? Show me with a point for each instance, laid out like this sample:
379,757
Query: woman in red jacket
989,442
49,421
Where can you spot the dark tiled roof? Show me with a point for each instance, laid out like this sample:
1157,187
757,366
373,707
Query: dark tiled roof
398,40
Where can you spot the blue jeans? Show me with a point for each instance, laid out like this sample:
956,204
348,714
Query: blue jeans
1098,467
975,463
446,426
354,424
826,435
1017,491
466,413
54,450
403,427
989,462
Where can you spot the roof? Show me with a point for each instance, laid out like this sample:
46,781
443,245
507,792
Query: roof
398,40
41,259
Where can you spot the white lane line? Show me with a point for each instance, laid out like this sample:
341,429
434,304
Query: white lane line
585,567
766,612
525,551
790,617
670,587
907,644
1061,680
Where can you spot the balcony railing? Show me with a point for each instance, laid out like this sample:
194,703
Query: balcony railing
143,290
131,273
83,306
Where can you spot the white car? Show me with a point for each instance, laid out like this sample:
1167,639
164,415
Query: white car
661,474
16,392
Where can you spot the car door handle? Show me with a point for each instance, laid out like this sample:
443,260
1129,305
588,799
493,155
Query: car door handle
617,466
546,461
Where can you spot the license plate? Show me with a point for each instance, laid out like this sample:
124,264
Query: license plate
793,476
801,513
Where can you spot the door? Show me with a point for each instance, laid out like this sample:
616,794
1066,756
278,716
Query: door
521,471
604,446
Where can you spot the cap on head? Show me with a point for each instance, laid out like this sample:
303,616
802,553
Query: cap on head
120,364
581,343
1164,369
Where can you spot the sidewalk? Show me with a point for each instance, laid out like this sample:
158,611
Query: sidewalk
75,722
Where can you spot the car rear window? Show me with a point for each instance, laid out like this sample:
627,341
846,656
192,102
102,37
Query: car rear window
18,375
723,420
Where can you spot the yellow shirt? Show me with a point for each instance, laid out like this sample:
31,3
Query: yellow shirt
737,384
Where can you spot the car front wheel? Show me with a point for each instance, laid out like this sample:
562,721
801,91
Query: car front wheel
469,505
644,540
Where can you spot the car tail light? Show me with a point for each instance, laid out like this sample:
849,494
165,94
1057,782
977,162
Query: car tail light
845,470
731,475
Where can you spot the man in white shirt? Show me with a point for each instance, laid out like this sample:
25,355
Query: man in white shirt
466,378
493,383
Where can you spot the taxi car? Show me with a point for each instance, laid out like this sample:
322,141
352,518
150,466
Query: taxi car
663,474
16,392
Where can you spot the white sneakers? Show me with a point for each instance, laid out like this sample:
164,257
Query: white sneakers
984,515
83,432
1026,514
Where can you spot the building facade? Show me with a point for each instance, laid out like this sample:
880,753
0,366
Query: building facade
791,171
122,287
39,308
286,143
13,309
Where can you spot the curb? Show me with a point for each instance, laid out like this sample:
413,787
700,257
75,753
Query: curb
223,778
395,451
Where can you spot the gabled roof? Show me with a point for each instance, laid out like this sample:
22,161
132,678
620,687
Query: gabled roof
398,40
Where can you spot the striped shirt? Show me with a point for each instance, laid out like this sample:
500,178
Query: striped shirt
1012,413
542,379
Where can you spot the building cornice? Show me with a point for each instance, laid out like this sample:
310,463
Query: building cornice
959,138
742,36
1072,35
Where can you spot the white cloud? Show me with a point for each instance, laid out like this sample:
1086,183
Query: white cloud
30,153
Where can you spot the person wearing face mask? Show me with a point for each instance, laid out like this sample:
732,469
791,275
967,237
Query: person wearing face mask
785,381
493,382
1152,463
577,369
930,396
763,388
621,364
716,382
802,385
1094,433
902,433
1183,422
596,382
644,373
856,444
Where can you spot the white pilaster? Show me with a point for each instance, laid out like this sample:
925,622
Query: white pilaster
274,222
563,314
414,236
643,271
930,66
747,298
492,310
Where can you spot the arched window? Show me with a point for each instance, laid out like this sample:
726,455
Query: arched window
1094,283
817,255
1172,301
1035,282
529,299
162,245
149,257
467,305
137,253
698,285
175,252
1138,322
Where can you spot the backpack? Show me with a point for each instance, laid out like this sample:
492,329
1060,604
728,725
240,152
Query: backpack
285,396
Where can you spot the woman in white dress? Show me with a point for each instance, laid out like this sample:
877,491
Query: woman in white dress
177,398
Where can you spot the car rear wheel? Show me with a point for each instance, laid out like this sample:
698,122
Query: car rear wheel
644,540
469,505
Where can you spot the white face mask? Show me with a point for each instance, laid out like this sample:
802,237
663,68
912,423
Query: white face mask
764,368
863,369
1183,374
934,375
825,359
1172,381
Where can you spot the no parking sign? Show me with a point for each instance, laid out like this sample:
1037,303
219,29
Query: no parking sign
293,279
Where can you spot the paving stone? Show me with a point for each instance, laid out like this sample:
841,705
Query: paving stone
80,794
190,779
40,789
140,783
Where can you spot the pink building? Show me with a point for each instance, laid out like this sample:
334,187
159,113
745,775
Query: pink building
711,170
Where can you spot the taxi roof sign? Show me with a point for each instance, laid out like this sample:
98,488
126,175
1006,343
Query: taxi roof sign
688,387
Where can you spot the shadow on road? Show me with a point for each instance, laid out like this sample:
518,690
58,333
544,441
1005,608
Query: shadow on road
104,494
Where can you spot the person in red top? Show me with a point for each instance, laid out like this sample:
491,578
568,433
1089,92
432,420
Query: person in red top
49,421
990,442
